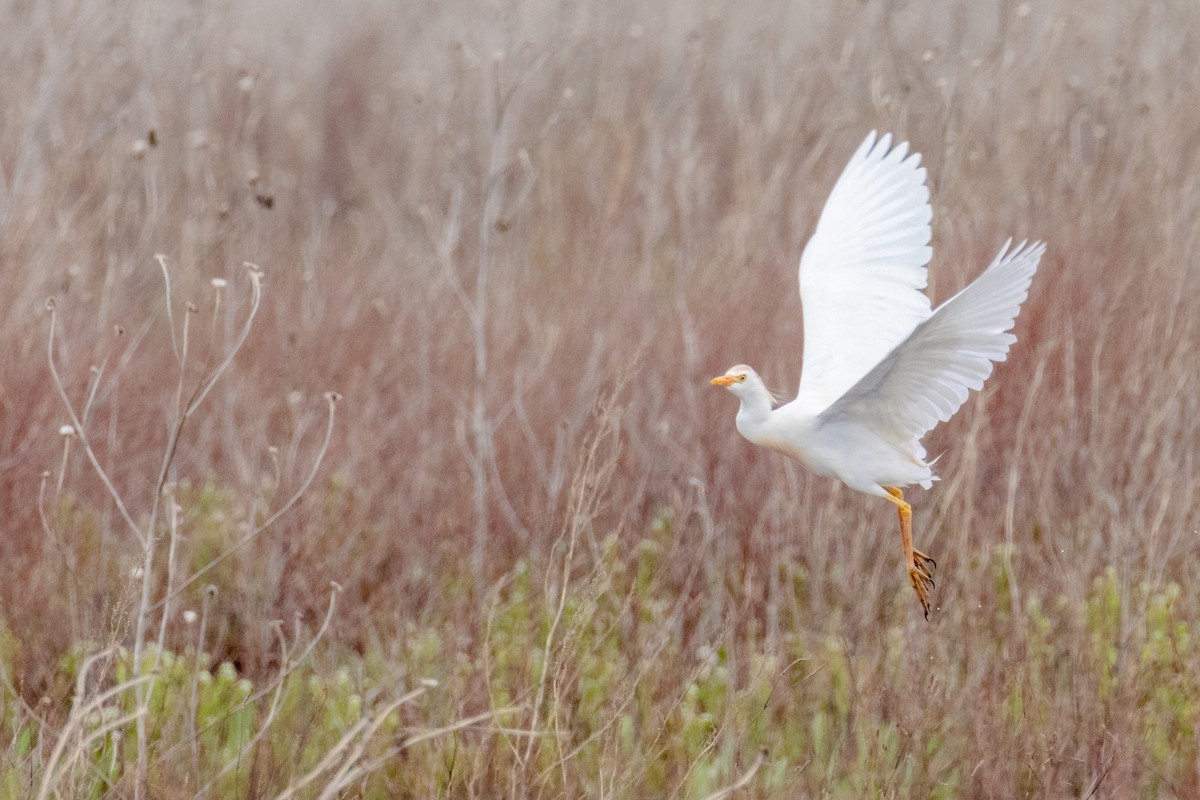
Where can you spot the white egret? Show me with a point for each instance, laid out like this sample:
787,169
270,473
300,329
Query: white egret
881,368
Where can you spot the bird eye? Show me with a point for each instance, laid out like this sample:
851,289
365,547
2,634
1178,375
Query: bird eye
741,378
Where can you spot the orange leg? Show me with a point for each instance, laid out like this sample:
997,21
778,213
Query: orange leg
920,566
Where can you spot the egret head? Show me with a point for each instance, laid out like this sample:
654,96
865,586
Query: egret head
739,380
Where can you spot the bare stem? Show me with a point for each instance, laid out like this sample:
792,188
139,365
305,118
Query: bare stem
84,441
331,399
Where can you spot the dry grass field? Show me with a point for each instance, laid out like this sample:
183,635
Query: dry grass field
526,554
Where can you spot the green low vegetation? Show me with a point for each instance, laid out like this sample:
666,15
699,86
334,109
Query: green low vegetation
583,689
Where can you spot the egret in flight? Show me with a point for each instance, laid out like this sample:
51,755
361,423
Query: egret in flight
881,367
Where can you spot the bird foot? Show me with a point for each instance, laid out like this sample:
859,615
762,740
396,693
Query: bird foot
920,574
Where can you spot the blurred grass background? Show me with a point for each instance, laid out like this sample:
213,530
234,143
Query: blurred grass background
532,495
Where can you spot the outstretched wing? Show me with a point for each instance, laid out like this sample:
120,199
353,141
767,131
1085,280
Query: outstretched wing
862,275
925,379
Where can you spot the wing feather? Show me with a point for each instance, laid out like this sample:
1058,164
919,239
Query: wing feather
927,377
862,274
